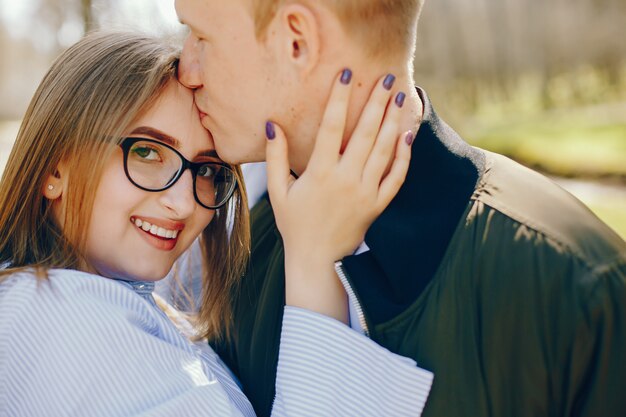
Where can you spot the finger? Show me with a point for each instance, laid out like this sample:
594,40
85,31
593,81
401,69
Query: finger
399,168
330,133
278,172
381,156
369,124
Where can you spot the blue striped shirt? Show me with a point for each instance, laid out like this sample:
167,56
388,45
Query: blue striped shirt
80,344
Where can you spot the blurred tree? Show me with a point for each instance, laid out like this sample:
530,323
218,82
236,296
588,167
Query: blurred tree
469,50
87,13
470,47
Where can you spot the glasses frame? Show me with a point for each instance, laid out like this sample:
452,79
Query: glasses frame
128,142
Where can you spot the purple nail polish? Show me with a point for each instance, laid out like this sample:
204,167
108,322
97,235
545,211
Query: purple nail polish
409,138
400,99
388,81
269,130
346,76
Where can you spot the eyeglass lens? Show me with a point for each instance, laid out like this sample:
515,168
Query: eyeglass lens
154,166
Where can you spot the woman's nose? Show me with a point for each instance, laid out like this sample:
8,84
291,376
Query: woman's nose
179,198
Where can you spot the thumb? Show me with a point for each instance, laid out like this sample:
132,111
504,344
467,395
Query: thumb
278,172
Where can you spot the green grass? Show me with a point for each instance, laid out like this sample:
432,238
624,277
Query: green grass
570,148
588,143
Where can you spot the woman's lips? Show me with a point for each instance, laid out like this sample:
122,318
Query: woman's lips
162,234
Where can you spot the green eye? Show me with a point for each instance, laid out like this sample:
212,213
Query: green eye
147,153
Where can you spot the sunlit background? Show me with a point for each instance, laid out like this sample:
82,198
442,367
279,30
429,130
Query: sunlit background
541,81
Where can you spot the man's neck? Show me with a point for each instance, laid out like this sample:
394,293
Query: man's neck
412,109
364,79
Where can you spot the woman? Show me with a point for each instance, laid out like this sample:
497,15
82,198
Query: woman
112,177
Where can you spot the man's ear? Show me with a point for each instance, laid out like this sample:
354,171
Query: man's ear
53,186
302,40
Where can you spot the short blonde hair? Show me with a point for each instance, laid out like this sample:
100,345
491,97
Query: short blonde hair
78,115
384,26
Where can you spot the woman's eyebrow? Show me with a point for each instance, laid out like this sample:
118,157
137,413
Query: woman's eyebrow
210,153
173,142
157,134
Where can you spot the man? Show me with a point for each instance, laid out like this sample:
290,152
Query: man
484,272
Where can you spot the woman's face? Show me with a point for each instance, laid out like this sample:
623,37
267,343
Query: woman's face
118,246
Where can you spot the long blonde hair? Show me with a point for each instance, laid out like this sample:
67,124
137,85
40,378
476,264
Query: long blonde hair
83,106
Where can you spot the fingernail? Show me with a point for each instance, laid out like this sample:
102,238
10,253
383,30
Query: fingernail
400,99
409,138
388,81
346,76
269,130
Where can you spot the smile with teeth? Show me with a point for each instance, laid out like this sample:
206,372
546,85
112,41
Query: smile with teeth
155,230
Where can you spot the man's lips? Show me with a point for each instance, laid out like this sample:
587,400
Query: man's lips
205,118
202,115
205,121
197,100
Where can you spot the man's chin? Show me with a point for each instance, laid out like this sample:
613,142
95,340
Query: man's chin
231,152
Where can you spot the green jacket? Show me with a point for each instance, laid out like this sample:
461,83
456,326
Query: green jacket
484,272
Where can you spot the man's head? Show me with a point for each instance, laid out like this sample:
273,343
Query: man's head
257,60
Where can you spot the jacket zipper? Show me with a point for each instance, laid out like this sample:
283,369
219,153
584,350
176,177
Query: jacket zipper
345,281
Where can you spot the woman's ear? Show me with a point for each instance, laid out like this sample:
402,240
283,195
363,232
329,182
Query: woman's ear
53,187
302,36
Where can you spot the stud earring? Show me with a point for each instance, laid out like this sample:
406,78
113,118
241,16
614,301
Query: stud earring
50,187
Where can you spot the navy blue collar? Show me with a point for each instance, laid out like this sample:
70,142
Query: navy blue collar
408,241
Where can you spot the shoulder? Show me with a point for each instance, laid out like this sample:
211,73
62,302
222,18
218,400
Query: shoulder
533,209
70,286
531,242
71,335
55,328
68,301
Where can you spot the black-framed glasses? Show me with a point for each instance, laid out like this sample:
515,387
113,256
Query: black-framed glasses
154,166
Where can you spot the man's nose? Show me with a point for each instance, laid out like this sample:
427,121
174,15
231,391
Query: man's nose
189,67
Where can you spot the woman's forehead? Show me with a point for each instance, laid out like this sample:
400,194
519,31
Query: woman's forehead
174,119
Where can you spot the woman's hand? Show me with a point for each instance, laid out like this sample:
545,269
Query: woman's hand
324,214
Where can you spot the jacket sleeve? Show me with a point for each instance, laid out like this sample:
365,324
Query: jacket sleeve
327,369
596,357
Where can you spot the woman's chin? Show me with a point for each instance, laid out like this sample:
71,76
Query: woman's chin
151,275
137,273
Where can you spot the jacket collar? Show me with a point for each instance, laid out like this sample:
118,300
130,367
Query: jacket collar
408,241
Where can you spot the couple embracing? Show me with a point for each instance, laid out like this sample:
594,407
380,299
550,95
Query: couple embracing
392,269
